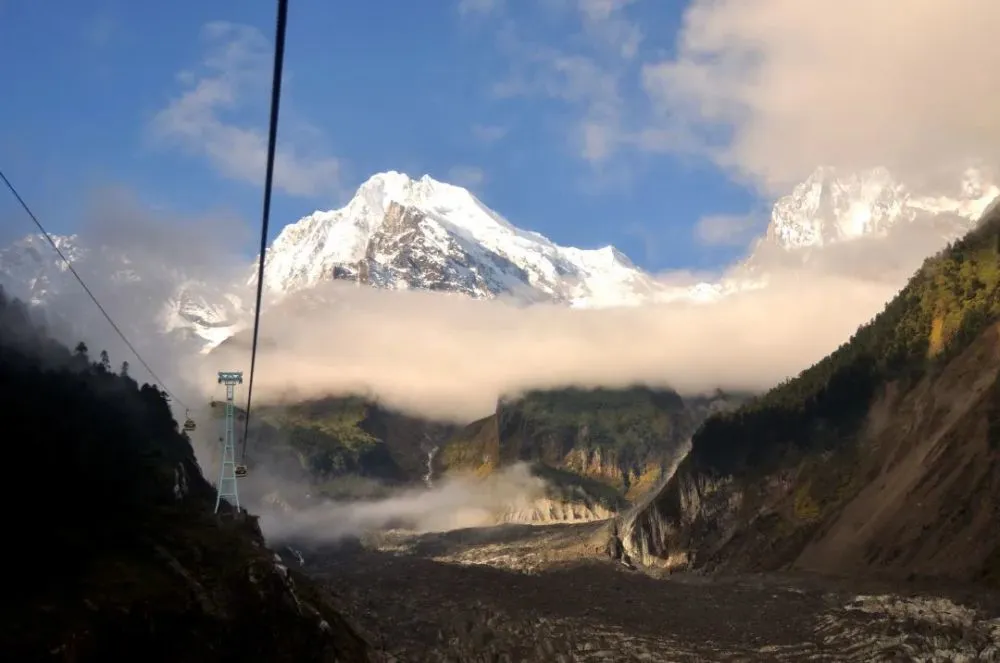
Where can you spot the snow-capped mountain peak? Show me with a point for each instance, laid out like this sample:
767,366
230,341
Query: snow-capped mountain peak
827,208
831,207
398,232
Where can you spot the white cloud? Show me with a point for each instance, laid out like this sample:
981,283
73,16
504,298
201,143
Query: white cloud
767,91
772,88
579,81
469,177
237,66
458,355
727,229
587,78
488,133
606,20
479,7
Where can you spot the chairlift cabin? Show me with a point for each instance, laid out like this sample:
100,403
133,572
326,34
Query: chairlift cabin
241,471
189,424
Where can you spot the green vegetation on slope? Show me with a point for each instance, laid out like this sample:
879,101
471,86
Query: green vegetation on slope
329,438
341,447
634,423
121,555
953,298
611,443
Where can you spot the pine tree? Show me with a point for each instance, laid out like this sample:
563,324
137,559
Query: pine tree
105,362
124,371
80,359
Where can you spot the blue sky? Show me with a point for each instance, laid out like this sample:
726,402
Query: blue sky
533,105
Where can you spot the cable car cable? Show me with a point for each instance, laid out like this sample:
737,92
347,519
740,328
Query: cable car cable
272,136
93,298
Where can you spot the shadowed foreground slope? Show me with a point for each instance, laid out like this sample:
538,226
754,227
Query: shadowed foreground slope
882,459
120,555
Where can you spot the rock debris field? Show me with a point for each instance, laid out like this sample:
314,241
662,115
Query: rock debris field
544,593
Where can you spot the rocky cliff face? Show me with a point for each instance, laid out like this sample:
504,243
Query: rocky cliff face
881,459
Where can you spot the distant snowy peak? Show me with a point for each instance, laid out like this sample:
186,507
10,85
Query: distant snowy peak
26,266
135,294
830,207
401,233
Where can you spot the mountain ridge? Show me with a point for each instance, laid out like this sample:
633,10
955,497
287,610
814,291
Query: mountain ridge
401,233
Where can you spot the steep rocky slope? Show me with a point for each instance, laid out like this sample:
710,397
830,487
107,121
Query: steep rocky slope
121,555
881,459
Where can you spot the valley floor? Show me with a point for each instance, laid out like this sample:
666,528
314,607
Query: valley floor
544,593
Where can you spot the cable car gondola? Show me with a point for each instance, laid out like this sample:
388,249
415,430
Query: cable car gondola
189,424
241,471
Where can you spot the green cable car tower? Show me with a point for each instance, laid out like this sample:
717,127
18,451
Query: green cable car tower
230,469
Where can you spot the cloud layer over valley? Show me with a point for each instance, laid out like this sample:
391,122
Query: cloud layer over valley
451,357
447,356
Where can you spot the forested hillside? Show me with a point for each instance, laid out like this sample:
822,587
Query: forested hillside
952,299
118,552
881,458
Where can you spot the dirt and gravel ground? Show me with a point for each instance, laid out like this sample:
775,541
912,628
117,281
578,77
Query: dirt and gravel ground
544,593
